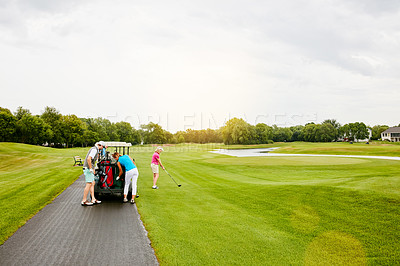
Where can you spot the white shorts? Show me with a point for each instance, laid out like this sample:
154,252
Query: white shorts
154,168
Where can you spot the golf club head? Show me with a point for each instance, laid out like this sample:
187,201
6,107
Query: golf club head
137,196
179,185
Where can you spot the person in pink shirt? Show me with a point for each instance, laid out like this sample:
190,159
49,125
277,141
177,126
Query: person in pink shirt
155,162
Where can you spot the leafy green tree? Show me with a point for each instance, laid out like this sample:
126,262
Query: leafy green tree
310,132
213,136
354,131
111,130
105,129
333,122
336,126
345,132
237,131
89,138
361,131
181,139
202,136
153,134
5,110
169,137
127,133
124,131
280,134
190,136
21,112
137,138
32,129
377,130
326,133
198,136
263,133
7,125
54,119
72,129
297,133
180,136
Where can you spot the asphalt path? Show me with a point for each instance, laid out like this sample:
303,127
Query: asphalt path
66,233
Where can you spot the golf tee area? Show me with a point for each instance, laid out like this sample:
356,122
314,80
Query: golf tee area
237,210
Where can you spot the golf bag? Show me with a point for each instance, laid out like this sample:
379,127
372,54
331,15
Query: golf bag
106,176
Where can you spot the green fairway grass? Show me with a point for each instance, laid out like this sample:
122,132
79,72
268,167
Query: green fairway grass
340,148
231,211
271,211
30,178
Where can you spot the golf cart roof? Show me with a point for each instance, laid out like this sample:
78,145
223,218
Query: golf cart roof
117,144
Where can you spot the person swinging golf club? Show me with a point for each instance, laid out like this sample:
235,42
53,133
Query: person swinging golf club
155,162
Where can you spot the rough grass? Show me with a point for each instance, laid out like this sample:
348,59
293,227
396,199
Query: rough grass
30,178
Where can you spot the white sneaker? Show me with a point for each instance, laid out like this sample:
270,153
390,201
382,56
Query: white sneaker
125,200
154,187
86,203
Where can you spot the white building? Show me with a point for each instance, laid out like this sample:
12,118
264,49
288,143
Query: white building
391,134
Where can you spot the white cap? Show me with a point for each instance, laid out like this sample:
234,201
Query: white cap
101,143
159,148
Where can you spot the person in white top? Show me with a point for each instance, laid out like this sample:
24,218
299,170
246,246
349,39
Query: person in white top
88,170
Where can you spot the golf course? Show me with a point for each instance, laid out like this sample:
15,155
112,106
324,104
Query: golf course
237,211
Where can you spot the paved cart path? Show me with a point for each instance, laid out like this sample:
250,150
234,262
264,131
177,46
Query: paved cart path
66,233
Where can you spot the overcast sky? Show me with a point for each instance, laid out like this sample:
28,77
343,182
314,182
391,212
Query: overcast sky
195,64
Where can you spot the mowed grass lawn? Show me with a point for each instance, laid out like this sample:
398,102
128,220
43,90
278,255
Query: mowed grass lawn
271,211
230,211
30,178
376,148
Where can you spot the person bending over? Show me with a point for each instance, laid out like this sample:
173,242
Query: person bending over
131,174
88,170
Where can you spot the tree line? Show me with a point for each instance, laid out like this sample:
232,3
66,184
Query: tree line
54,129
238,131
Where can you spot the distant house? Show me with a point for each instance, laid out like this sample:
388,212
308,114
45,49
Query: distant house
391,134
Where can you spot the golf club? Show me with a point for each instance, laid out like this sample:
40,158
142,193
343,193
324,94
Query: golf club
172,177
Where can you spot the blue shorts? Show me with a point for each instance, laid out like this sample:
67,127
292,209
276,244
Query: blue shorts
89,176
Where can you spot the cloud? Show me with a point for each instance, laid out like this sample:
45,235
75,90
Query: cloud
46,6
250,57
376,7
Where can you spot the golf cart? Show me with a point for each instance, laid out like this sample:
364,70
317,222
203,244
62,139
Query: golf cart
107,171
